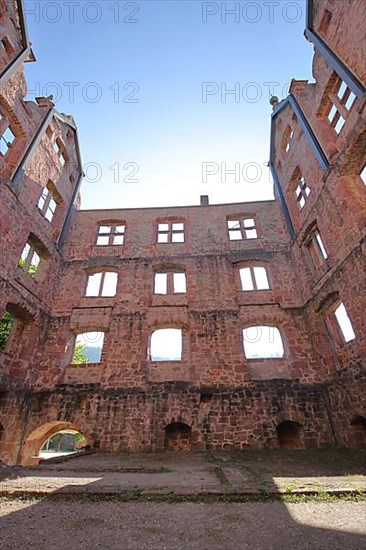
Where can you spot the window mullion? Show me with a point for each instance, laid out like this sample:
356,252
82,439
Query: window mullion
101,284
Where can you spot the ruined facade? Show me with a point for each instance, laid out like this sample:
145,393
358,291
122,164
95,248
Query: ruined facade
232,280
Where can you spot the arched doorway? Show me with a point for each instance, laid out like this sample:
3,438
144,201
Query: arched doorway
178,437
37,441
289,435
62,443
357,433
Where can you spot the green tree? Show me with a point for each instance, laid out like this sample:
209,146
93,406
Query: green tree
6,324
79,355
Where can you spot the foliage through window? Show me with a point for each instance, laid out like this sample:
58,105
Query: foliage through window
29,260
88,348
6,324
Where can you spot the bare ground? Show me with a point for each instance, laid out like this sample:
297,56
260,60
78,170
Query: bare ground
71,525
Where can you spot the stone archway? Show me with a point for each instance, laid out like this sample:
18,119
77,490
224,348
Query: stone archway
178,437
35,440
290,435
357,433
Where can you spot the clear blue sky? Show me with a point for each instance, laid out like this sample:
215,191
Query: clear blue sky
160,123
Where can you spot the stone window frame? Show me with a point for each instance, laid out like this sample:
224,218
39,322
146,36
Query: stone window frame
256,324
362,174
286,140
252,268
103,270
20,319
6,126
185,342
336,103
315,248
32,257
334,326
242,226
167,231
170,271
302,191
60,150
114,234
83,331
51,200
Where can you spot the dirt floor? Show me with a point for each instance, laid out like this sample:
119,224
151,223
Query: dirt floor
187,501
187,526
196,473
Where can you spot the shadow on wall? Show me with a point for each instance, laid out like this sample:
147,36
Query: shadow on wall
357,433
178,437
290,435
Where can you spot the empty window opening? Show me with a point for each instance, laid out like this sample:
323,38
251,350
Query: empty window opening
63,443
262,342
178,437
170,282
241,228
7,135
29,259
6,325
286,139
166,345
47,204
17,334
344,323
357,433
302,192
340,103
316,249
289,435
103,284
111,234
363,174
170,232
88,348
59,150
254,278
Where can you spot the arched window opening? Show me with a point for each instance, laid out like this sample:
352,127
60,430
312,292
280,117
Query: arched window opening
88,348
102,284
166,345
289,435
63,443
178,437
262,342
